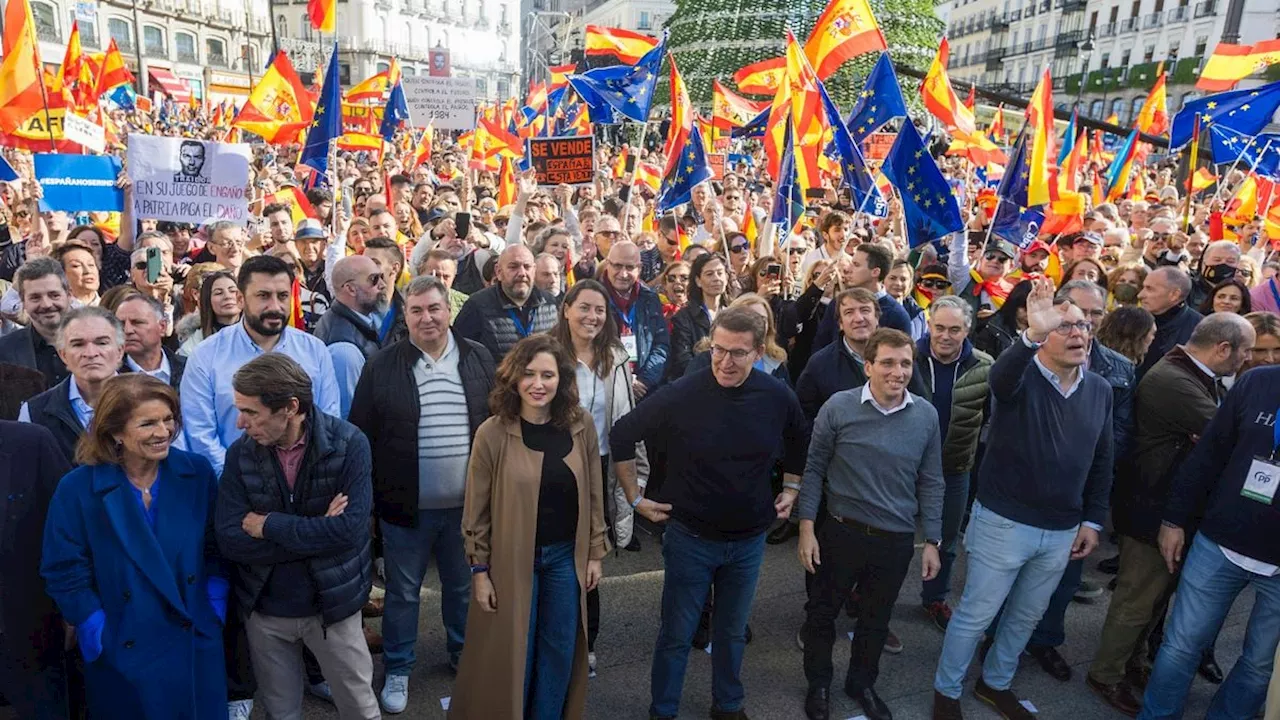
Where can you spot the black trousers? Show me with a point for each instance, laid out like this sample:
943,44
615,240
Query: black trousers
35,691
876,562
593,596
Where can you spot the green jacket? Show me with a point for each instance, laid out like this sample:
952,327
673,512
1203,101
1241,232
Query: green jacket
968,403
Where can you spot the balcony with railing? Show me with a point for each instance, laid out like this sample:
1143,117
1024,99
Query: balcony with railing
187,56
1206,8
1107,29
90,40
1129,25
1074,6
48,33
155,50
1000,22
124,45
995,59
1178,14
1067,44
1152,20
217,59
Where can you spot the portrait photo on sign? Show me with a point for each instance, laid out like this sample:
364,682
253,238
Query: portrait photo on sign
193,162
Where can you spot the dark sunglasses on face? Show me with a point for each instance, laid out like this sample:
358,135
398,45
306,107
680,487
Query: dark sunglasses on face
738,248
935,284
797,251
994,256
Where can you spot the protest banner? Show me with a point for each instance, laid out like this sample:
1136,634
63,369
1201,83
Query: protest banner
877,144
86,132
79,183
447,102
716,162
186,180
563,160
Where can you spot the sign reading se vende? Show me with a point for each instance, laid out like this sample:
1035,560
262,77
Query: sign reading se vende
877,145
563,160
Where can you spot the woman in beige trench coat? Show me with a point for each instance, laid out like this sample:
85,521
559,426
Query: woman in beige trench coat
510,486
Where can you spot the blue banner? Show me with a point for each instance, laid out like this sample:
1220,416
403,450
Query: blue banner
75,183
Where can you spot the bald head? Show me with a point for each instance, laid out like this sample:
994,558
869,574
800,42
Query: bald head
359,284
624,267
1222,341
352,267
515,273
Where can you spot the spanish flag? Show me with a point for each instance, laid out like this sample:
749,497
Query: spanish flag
21,91
422,153
808,122
1230,64
761,78
360,142
681,121
625,45
1153,118
846,29
278,108
1243,206
560,74
730,110
649,175
940,98
1202,180
507,189
1043,158
113,73
300,208
323,15
501,141
371,88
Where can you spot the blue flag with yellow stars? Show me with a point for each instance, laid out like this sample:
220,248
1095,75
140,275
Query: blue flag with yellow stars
753,129
853,167
1017,174
1019,226
879,102
626,88
1246,111
930,208
396,112
1260,152
690,171
326,126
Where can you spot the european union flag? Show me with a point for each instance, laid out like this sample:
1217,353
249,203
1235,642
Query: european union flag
753,129
1019,226
853,167
326,126
1245,111
1017,174
1261,152
879,102
396,112
626,88
930,208
690,171
788,204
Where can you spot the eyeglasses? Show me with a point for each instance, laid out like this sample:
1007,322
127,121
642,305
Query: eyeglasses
935,284
1084,326
1161,237
609,233
995,256
738,248
738,354
797,251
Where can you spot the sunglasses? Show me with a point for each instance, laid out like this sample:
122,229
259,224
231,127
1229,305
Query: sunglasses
738,248
935,284
995,256
1161,237
797,251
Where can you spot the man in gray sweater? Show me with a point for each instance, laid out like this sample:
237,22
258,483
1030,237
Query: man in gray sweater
876,454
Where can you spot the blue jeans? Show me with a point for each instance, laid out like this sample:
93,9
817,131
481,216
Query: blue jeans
1051,631
1007,560
693,564
406,552
954,501
1209,585
553,631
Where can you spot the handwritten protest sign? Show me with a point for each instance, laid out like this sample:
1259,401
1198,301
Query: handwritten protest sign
186,180
877,145
563,160
448,102
83,131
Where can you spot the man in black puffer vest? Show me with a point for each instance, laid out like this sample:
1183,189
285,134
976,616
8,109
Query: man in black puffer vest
293,509
348,327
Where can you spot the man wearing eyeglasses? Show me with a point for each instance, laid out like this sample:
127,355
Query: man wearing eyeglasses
1051,415
348,327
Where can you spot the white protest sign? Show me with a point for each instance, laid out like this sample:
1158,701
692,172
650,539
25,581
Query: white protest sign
84,132
188,180
448,102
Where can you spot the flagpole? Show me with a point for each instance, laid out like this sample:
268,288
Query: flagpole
1252,166
644,130
1194,155
1234,165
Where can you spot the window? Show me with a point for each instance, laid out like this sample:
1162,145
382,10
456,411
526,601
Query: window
249,56
645,23
1173,52
409,71
1093,20
1148,53
1124,58
1116,105
1136,106
46,21
88,31
482,86
186,45
1115,14
1137,5
122,33
153,43
216,52
1095,108
1106,61
1201,42
282,26
504,88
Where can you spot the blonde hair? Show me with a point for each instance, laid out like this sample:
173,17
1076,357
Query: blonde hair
771,346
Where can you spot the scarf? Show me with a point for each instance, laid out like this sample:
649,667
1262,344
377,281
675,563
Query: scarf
997,289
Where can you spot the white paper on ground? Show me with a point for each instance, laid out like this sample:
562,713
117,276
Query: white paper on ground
858,717
1027,704
444,703
708,648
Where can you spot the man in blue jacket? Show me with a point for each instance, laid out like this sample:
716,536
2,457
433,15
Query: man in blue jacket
638,312
293,514
839,366
1233,473
866,268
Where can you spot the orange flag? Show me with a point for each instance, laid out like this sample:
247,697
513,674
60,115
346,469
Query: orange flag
114,73
507,183
1229,64
21,88
323,15
846,29
808,122
940,98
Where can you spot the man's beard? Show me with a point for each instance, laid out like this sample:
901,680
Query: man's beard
378,305
259,323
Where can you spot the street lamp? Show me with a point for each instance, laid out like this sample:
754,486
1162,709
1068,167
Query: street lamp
1086,51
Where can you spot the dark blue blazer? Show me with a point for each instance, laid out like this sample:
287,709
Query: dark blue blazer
162,644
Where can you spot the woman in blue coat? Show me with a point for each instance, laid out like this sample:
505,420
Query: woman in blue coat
130,560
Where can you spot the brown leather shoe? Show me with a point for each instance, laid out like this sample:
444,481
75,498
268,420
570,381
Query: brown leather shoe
944,708
1004,701
1137,678
373,640
1118,696
374,607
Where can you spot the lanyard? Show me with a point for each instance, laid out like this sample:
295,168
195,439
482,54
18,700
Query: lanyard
522,329
387,323
1271,284
629,319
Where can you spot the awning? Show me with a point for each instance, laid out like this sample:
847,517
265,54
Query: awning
172,85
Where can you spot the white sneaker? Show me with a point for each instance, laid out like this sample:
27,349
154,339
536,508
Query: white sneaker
591,664
239,709
395,694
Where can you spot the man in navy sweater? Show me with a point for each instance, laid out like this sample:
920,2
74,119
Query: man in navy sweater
1042,497
721,428
866,268
1233,473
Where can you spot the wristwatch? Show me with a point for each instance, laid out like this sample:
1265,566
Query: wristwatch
935,543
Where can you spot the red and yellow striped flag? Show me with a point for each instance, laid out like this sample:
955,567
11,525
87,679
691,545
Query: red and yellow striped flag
1229,64
846,29
941,99
323,15
21,91
1153,118
625,45
1043,158
761,78
1203,179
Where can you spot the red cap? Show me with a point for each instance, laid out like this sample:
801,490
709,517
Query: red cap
1035,246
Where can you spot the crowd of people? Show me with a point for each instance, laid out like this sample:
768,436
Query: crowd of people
215,464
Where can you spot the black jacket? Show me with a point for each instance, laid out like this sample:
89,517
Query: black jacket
331,556
688,326
830,370
17,348
993,337
341,324
487,318
30,467
1173,327
1118,371
177,364
653,341
385,407
52,410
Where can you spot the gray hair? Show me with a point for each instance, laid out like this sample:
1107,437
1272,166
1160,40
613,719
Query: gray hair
152,304
86,313
37,268
426,283
139,253
1222,327
957,304
221,226
1175,277
1223,245
154,235
1064,292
